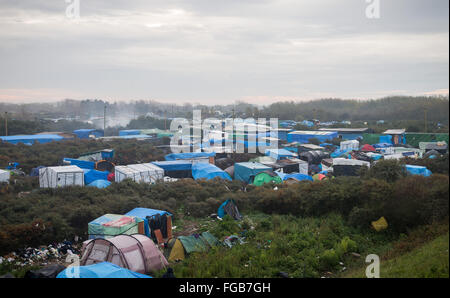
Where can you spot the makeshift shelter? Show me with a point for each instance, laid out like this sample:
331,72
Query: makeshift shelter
230,171
129,132
319,177
111,225
208,171
149,216
99,183
287,166
246,171
176,168
229,207
4,176
89,133
348,167
313,157
134,252
279,154
207,157
83,164
53,177
327,164
295,176
140,173
266,177
368,148
35,171
105,166
93,175
99,270
440,147
349,145
30,139
417,170
414,139
304,136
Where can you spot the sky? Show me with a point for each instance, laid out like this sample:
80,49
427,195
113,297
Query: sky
219,52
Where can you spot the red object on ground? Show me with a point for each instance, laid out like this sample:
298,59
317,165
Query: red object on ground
111,177
368,148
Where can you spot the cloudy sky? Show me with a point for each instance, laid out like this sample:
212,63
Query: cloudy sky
217,51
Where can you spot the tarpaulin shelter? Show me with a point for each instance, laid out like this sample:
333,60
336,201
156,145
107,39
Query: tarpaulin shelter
266,177
205,156
53,177
99,270
349,145
348,167
417,170
230,171
287,166
99,183
295,176
4,176
147,214
176,168
92,175
313,157
208,171
229,207
129,132
134,252
30,139
246,171
111,225
279,154
305,136
368,148
140,173
87,133
84,164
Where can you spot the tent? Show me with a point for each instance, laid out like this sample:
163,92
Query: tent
145,214
99,270
246,171
368,148
53,177
88,133
295,176
99,183
348,167
349,145
130,132
111,225
266,177
313,157
134,252
4,176
208,171
230,171
177,252
204,156
198,243
176,168
279,154
93,175
140,173
229,207
417,170
319,177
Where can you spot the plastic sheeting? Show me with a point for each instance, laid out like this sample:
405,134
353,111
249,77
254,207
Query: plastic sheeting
304,136
143,213
100,270
99,183
124,225
92,175
189,155
79,163
279,153
208,171
418,170
246,171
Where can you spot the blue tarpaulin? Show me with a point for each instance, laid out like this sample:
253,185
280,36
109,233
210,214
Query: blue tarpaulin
296,176
189,155
246,171
174,165
99,183
279,154
382,145
386,139
85,133
142,213
84,164
418,170
130,132
303,137
100,270
92,175
31,139
208,171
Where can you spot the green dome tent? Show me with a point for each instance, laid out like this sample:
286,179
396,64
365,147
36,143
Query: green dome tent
264,177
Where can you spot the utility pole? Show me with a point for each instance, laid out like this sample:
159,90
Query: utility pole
6,123
104,119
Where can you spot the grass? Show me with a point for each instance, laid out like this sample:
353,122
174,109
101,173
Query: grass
430,260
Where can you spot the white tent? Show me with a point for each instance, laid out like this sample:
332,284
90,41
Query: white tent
4,176
147,173
349,145
53,177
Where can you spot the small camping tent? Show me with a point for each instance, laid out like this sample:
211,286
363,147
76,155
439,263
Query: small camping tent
99,270
99,183
134,252
417,170
208,171
53,177
266,177
140,173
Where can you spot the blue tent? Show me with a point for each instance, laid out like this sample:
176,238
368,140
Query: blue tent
174,165
303,137
100,183
296,176
83,164
100,270
130,132
339,153
386,139
31,139
418,170
92,175
382,145
85,133
208,171
142,213
189,155
279,154
246,171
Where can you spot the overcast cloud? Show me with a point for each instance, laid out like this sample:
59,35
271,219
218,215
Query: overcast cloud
211,51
